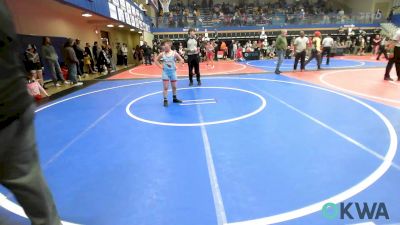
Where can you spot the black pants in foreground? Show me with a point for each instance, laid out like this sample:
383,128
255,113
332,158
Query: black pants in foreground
20,171
327,51
302,57
315,55
389,67
193,62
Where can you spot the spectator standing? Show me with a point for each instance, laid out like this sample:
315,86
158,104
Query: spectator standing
234,49
33,64
89,53
120,60
111,64
300,46
146,53
95,50
349,45
137,55
327,45
124,50
79,55
361,46
376,43
51,61
224,49
102,60
71,61
281,46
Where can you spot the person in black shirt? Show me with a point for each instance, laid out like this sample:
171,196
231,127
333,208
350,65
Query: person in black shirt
193,57
79,54
146,53
20,171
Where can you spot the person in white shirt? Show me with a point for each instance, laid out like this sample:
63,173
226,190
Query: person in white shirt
264,48
124,51
395,59
300,46
327,45
234,49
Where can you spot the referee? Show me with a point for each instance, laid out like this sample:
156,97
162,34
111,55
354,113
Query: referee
395,59
193,57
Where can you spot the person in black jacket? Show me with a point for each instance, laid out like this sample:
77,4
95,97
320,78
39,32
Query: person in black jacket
20,170
79,54
146,53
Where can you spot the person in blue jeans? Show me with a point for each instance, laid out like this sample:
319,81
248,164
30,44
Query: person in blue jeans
280,46
71,61
50,57
166,60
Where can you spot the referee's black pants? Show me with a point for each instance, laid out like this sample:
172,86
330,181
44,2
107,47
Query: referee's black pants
327,51
382,50
395,60
193,62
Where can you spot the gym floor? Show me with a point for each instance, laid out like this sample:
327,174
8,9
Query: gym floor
248,147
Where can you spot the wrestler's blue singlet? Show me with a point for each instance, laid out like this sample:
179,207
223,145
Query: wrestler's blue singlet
169,68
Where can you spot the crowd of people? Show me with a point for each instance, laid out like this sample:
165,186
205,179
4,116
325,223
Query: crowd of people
79,62
300,47
258,13
216,49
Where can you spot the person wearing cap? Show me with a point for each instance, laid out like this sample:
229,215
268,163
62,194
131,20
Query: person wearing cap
193,57
394,57
280,46
20,171
316,49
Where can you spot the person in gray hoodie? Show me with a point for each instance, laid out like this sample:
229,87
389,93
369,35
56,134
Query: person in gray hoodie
71,61
50,57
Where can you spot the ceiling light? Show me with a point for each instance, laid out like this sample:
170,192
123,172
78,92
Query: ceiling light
140,32
121,25
132,29
86,14
110,25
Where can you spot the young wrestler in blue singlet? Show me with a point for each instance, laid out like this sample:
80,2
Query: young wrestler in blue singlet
166,60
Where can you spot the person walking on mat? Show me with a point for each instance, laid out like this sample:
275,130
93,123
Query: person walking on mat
327,44
280,46
394,57
300,47
193,57
316,49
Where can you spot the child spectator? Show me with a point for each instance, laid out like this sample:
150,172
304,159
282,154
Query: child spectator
35,89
